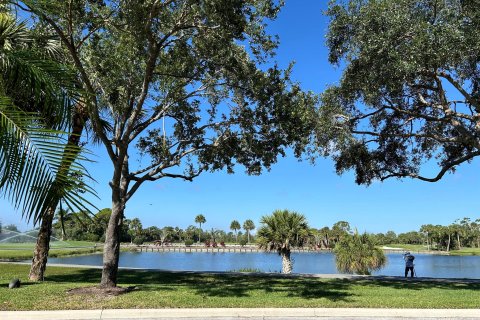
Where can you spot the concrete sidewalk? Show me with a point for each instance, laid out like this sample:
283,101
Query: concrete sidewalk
240,313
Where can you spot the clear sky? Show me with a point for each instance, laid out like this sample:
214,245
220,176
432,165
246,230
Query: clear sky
315,191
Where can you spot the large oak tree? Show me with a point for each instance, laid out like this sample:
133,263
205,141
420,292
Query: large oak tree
409,93
187,83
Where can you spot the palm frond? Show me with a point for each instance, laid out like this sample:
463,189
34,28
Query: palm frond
32,159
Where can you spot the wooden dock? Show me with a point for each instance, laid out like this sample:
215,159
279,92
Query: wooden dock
245,249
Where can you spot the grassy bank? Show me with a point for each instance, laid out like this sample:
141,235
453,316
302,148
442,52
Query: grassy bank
182,290
422,248
24,251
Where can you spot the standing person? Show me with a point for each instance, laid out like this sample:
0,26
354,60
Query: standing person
408,263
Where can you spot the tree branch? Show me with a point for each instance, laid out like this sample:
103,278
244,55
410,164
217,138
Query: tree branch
447,166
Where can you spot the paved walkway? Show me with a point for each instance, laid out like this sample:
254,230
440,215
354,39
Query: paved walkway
250,314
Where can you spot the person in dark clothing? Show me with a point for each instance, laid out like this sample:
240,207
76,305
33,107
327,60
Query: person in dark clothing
408,263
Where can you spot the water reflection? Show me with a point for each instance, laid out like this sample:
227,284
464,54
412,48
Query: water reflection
426,265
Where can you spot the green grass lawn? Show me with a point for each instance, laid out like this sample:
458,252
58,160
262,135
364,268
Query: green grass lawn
466,252
183,290
24,251
420,248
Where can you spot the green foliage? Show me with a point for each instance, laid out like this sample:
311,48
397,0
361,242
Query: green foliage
357,254
243,241
37,92
235,225
138,240
191,85
282,230
409,90
200,219
188,242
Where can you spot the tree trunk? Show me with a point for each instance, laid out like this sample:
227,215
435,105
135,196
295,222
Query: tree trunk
286,262
248,237
199,233
448,244
40,254
459,244
111,249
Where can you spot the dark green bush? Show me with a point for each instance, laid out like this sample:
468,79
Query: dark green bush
188,242
138,240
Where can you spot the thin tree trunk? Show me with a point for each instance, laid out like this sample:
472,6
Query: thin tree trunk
40,254
459,244
286,262
199,232
448,244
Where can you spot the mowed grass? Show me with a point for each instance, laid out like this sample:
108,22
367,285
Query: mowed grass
24,251
184,290
420,248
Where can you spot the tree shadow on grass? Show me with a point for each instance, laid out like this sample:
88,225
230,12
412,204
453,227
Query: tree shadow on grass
246,285
235,285
215,285
86,275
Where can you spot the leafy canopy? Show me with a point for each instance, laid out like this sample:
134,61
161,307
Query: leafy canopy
409,93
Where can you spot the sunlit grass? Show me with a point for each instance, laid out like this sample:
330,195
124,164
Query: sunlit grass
184,290
24,251
420,248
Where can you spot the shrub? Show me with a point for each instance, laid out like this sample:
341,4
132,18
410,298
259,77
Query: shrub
138,240
91,237
188,242
243,242
357,254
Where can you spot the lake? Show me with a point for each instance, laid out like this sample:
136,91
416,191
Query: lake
436,266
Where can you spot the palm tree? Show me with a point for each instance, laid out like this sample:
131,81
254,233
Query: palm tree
200,219
135,229
280,232
235,226
248,225
38,169
357,254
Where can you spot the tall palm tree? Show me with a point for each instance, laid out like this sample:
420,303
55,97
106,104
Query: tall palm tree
281,231
248,226
235,226
200,219
37,168
357,254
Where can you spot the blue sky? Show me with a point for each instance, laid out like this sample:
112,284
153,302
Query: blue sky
316,191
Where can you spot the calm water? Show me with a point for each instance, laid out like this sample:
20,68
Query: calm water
425,265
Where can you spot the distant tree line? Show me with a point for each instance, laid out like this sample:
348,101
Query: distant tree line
81,226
